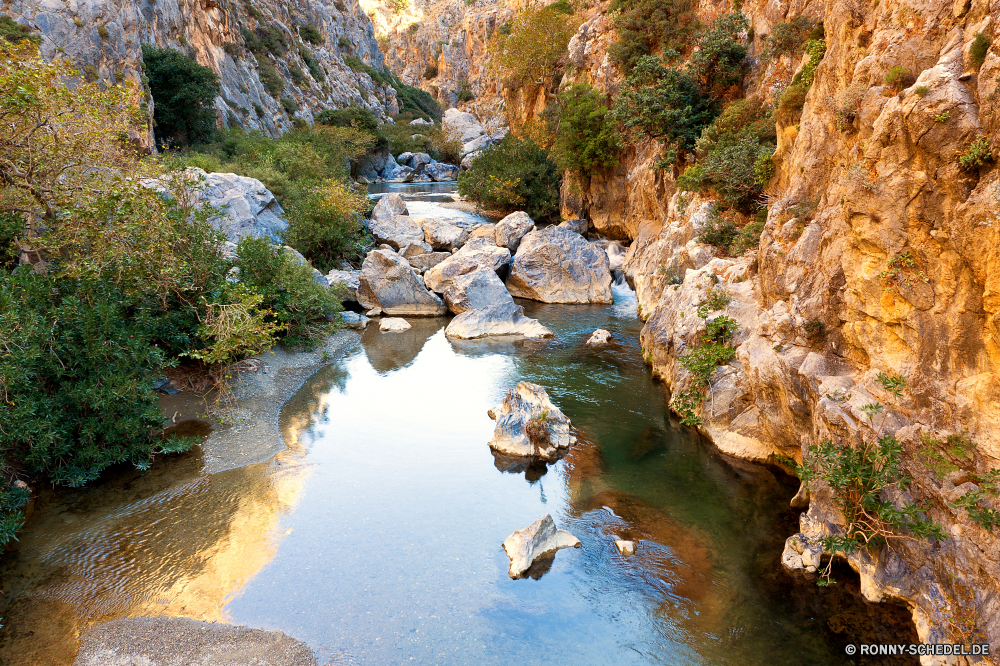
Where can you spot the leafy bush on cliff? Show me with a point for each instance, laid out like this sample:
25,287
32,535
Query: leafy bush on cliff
647,26
514,174
719,62
786,38
793,98
183,92
664,103
584,139
531,48
14,32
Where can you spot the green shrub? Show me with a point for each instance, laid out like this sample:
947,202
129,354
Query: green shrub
977,155
298,76
315,70
311,34
14,32
718,63
351,116
584,139
986,517
431,71
103,33
514,174
413,102
345,43
749,236
184,93
530,49
306,309
289,105
898,77
12,501
273,83
794,96
327,225
12,226
663,102
763,167
647,26
977,52
77,372
787,38
464,93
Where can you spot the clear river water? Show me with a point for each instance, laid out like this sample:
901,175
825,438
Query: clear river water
375,536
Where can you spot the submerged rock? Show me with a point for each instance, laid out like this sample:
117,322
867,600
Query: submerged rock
393,325
529,425
388,282
556,265
527,546
599,337
509,231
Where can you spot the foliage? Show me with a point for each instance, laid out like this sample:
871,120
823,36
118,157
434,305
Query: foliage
664,103
76,373
514,174
945,456
702,360
718,63
815,330
235,328
532,48
266,39
719,230
898,77
311,34
986,517
583,138
12,227
716,298
977,52
327,224
446,145
794,96
289,105
14,32
647,26
431,71
12,501
464,92
787,38
976,155
860,476
306,310
351,116
183,92
273,83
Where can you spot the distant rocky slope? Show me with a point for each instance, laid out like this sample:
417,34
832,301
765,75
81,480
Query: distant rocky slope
303,53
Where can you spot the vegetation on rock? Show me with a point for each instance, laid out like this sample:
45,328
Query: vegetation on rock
583,137
514,174
183,92
647,26
530,49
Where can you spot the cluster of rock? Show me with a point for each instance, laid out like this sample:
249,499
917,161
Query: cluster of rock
382,167
431,266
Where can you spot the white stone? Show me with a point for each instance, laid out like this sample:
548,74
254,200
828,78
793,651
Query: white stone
393,325
509,231
599,337
540,538
522,404
625,548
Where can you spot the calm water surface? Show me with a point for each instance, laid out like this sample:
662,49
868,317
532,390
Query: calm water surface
375,537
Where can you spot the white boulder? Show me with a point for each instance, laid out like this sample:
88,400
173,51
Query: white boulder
509,231
556,265
528,425
393,325
388,283
599,337
538,540
625,548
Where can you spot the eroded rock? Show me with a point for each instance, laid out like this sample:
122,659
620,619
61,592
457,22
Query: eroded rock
509,231
556,265
530,426
536,541
467,260
387,282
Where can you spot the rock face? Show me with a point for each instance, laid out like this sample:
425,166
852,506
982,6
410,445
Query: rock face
530,426
577,226
210,31
247,208
510,230
470,258
387,282
556,265
538,540
475,291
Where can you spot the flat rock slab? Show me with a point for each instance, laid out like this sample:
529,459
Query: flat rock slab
540,539
394,325
164,641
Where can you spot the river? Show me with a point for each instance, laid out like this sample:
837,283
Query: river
375,536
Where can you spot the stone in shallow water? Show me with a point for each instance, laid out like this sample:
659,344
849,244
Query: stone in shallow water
556,265
529,425
354,320
599,337
625,548
388,282
533,543
393,325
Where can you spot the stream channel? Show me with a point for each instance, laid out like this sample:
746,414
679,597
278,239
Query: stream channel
375,535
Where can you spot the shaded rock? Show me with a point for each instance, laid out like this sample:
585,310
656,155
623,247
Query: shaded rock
442,172
509,231
420,160
387,282
248,208
378,166
536,541
427,260
414,249
443,235
556,265
354,320
599,337
474,291
349,280
466,261
397,232
468,159
482,235
404,158
388,207
529,425
577,226
393,325
625,548
496,320
401,174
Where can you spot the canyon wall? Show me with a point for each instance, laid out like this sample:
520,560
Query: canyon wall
104,38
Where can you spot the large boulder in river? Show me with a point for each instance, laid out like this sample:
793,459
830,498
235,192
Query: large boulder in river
536,543
556,265
441,172
388,207
503,319
442,234
467,260
530,426
387,282
475,291
509,231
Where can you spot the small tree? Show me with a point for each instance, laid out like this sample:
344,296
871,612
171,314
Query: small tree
529,50
183,92
584,137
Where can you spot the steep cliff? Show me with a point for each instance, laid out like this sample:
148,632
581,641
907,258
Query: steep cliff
305,64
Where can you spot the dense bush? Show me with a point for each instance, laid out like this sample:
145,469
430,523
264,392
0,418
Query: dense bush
719,61
14,32
431,71
304,309
787,38
583,136
647,26
514,174
351,116
183,92
311,34
663,102
12,226
327,225
530,49
977,52
793,97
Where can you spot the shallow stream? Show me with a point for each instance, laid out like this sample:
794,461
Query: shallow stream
375,536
